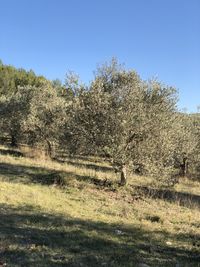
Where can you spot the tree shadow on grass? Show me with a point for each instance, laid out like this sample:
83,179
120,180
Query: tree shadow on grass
31,174
26,174
90,166
11,152
29,237
183,199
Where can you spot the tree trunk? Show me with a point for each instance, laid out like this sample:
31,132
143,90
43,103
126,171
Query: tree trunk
184,168
13,142
49,149
123,175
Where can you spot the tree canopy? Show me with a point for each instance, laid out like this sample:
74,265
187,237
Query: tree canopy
134,124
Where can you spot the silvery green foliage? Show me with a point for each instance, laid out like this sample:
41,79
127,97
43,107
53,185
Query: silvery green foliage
129,120
13,111
34,115
46,117
133,123
187,134
87,128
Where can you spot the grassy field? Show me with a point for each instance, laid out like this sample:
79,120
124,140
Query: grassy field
74,213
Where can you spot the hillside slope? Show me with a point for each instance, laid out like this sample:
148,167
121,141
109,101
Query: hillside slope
74,214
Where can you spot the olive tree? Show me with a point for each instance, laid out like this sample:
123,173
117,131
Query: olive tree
13,112
45,119
129,120
187,156
87,129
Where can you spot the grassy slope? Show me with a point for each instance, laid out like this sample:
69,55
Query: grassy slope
89,222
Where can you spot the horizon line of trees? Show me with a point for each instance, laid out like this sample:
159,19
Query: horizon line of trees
135,124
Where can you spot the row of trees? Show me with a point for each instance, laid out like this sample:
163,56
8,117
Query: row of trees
132,123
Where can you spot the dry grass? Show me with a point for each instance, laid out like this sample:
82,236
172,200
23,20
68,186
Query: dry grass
32,152
187,185
88,222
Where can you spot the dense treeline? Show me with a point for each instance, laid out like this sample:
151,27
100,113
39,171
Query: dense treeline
133,123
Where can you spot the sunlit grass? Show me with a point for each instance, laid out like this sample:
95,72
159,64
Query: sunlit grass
84,224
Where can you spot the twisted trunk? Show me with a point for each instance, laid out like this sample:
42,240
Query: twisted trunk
50,151
184,167
13,142
123,180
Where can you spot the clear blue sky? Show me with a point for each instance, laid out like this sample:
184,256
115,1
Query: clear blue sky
155,37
